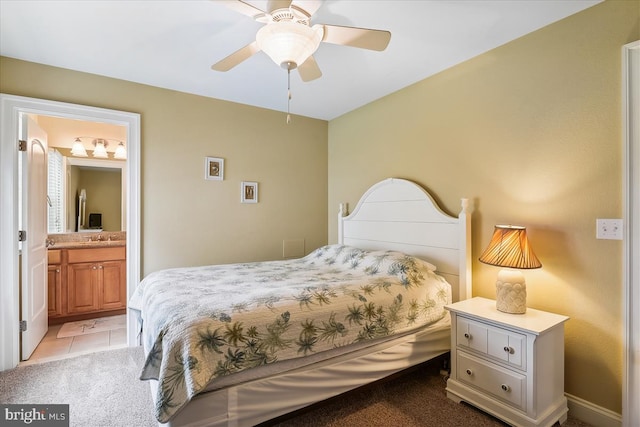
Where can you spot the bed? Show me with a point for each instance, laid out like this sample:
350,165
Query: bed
343,316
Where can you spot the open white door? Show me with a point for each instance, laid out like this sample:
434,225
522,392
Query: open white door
33,199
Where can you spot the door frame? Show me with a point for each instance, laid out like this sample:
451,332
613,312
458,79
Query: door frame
10,108
631,296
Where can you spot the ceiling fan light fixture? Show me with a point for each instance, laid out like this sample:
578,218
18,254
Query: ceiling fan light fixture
289,44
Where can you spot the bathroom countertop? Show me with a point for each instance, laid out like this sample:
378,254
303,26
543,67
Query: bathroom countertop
103,239
87,244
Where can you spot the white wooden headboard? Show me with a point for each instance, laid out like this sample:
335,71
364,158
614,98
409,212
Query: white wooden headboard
396,214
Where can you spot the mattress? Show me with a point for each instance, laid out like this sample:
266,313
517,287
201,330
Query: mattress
295,384
206,328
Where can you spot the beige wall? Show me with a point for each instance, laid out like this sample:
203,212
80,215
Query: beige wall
185,219
531,132
104,195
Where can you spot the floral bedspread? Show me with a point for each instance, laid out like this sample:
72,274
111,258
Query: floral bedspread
201,323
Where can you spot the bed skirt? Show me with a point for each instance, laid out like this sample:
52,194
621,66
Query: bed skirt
258,400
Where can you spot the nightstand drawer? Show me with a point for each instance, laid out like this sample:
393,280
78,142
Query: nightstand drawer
503,384
501,344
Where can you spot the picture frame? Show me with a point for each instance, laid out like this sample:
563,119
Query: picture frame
249,192
213,168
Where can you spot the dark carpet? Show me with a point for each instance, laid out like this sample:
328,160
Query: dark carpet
413,398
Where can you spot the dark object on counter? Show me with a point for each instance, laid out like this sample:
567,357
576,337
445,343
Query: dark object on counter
95,220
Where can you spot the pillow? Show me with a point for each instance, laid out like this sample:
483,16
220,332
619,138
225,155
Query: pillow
385,260
372,261
336,255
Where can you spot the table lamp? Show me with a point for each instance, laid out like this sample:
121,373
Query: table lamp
510,248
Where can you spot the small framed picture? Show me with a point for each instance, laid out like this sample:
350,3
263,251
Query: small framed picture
249,192
213,168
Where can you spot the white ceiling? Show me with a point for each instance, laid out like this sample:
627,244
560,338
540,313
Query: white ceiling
172,44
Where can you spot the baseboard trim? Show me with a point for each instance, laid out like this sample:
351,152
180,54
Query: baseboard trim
595,415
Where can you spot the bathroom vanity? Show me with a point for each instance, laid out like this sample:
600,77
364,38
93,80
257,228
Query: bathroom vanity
86,279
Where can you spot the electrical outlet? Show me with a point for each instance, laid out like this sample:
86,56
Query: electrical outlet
610,229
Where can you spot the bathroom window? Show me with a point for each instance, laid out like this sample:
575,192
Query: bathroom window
55,188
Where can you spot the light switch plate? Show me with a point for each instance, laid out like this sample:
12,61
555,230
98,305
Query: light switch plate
610,229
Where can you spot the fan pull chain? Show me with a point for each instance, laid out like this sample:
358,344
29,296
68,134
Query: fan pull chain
288,95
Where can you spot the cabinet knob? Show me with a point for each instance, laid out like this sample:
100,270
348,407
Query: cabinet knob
100,266
509,350
505,387
467,335
469,372
57,270
93,268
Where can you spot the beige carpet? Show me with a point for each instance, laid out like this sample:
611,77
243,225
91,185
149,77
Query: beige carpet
91,326
103,389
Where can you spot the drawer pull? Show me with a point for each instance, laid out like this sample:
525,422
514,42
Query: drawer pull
467,335
469,372
505,387
509,350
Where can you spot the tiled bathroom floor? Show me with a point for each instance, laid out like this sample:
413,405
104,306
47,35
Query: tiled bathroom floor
53,348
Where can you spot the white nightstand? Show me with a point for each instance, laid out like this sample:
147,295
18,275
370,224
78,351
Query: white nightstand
510,365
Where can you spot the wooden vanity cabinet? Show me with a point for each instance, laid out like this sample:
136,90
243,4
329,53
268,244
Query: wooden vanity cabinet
86,282
96,280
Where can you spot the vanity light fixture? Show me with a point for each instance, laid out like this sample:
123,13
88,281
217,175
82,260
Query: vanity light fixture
99,148
78,149
121,152
509,248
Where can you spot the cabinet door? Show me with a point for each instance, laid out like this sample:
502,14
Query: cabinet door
54,284
113,286
82,287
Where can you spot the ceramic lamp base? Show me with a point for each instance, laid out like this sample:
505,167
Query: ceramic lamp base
511,292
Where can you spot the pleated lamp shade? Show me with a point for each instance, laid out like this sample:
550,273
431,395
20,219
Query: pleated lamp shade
509,248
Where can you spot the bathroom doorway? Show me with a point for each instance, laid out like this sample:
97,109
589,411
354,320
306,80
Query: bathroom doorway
10,109
83,184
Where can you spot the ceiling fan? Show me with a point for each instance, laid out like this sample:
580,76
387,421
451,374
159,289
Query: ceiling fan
290,40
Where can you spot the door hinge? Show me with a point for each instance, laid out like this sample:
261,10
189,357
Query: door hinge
22,145
23,325
22,236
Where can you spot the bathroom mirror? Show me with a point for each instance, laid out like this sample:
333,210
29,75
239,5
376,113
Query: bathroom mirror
102,184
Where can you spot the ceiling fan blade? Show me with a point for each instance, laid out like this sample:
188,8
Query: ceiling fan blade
357,37
309,70
242,7
236,57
